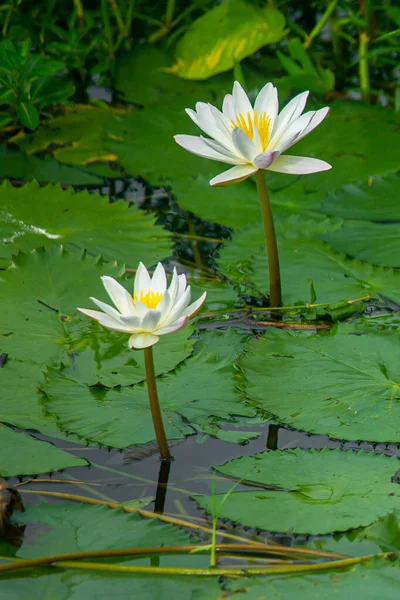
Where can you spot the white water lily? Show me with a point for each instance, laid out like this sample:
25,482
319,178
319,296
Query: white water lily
254,138
153,310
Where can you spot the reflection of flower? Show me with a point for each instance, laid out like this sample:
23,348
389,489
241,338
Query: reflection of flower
153,310
254,138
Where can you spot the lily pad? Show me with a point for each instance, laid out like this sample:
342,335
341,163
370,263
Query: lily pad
377,200
303,258
21,454
377,243
39,293
96,355
319,492
345,383
368,581
224,36
78,528
32,216
198,392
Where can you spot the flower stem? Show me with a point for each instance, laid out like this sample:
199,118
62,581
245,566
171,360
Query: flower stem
270,239
154,404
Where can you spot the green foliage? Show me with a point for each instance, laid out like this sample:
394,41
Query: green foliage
224,36
22,454
304,258
367,581
318,492
29,83
302,74
343,383
33,216
120,417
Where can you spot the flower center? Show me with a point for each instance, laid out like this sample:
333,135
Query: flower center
151,299
247,122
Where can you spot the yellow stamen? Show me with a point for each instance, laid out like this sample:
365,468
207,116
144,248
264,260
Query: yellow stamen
246,124
151,299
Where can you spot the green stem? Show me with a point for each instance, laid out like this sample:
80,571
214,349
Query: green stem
270,239
363,68
321,23
154,404
80,12
226,572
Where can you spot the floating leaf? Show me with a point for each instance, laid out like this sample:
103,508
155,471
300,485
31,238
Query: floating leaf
225,35
377,200
320,492
21,454
199,391
39,293
344,383
32,216
69,527
20,400
16,165
98,355
335,277
377,243
368,581
81,136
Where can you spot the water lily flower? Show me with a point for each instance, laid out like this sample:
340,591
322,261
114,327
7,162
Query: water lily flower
253,138
152,311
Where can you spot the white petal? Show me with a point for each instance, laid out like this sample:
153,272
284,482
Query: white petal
241,102
197,145
193,308
165,304
178,309
109,310
230,157
290,112
105,320
298,129
174,285
119,295
181,283
298,165
315,120
179,324
159,280
132,323
244,145
267,101
206,119
142,281
228,107
150,320
142,340
263,161
234,175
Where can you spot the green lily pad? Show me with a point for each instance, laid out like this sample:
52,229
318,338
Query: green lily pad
96,355
345,383
225,35
78,528
369,581
16,165
303,258
377,200
39,293
320,492
21,454
80,137
198,392
376,243
32,216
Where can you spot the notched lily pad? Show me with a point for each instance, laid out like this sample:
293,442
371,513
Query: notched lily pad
318,491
